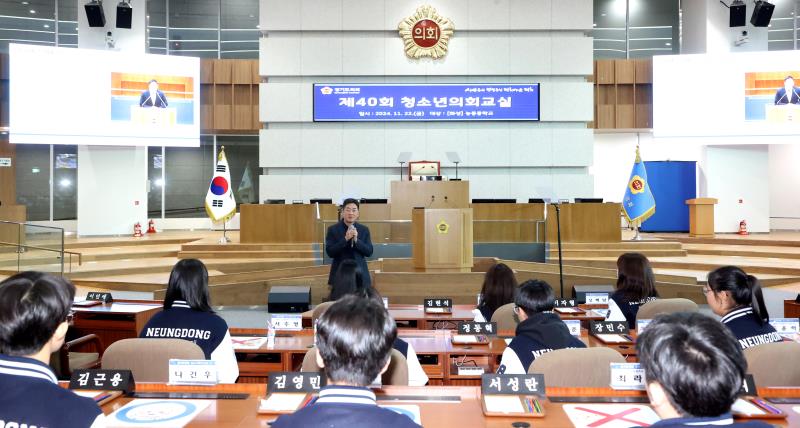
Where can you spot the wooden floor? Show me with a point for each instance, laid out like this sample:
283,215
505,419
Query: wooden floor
143,264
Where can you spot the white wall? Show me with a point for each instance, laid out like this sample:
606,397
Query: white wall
784,178
112,189
503,41
734,174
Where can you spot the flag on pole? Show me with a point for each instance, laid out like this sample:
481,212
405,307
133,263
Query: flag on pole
220,203
246,190
639,203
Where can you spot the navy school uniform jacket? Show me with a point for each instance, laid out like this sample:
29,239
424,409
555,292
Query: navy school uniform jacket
30,397
340,249
539,334
344,407
209,331
722,420
622,309
748,330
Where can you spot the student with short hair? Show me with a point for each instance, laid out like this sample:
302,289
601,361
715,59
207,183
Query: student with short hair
693,369
348,281
349,240
354,342
188,315
540,329
499,286
737,298
35,310
636,285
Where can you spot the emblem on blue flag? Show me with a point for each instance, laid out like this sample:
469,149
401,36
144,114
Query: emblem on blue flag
638,204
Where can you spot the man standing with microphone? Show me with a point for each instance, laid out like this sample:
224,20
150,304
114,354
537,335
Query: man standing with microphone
349,240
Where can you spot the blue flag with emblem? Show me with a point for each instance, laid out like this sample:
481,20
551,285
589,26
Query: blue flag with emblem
639,203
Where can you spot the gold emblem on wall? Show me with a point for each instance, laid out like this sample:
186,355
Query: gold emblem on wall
426,33
442,227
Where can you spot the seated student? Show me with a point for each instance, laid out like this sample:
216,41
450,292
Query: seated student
694,370
737,298
354,340
636,285
540,329
348,281
188,315
34,318
499,286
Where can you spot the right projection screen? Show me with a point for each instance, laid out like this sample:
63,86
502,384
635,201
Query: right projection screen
742,94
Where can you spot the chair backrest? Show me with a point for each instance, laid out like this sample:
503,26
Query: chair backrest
578,367
762,361
505,317
396,374
652,308
319,310
148,359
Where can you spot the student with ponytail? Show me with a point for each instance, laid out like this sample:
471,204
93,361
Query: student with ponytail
737,298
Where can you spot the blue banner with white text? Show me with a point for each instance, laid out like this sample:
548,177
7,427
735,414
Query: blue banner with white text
425,102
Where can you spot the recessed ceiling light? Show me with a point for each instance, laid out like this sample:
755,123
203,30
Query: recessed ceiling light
668,44
32,11
602,14
25,3
46,25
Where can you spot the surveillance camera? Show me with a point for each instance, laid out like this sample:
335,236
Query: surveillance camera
741,39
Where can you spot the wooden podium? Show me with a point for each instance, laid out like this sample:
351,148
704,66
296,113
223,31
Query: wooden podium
441,239
701,217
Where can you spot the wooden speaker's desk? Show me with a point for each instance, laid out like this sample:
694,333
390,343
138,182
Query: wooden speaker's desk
791,309
466,412
585,222
122,319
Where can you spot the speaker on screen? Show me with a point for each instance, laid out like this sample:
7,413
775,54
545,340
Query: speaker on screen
124,15
94,13
762,14
738,14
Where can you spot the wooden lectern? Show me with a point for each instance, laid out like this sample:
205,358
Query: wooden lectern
442,239
701,217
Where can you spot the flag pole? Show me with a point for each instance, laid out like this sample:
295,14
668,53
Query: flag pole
637,236
224,240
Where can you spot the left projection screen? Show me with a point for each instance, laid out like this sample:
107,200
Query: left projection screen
95,97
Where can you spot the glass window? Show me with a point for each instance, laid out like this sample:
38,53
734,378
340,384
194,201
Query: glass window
193,28
242,155
155,177
239,29
33,180
157,26
30,22
654,28
609,29
68,23
781,31
65,182
188,171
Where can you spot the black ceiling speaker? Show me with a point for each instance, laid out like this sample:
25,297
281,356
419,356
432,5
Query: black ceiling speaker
94,13
738,14
762,14
124,15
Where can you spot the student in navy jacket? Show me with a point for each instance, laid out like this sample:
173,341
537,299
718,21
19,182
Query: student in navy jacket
35,310
354,340
348,240
693,369
540,329
737,298
348,281
636,285
499,287
188,315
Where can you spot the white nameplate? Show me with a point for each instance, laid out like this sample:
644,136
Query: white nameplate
192,372
574,327
641,325
785,325
291,322
596,298
470,371
627,376
386,302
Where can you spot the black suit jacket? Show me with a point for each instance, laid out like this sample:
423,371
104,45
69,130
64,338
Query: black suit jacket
145,100
340,249
781,98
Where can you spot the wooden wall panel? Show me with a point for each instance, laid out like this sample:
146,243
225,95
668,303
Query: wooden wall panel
604,73
8,178
625,106
623,94
242,107
643,70
623,71
223,71
223,103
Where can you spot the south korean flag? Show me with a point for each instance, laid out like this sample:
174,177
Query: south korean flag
220,203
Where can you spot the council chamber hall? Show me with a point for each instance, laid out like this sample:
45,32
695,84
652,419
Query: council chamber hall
483,213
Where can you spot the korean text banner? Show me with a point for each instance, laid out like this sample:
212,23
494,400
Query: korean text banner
425,102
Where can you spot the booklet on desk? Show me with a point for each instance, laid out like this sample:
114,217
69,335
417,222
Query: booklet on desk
283,402
156,413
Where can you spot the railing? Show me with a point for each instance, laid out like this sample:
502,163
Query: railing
25,246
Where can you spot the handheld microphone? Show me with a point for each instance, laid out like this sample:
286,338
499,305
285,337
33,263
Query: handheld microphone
352,241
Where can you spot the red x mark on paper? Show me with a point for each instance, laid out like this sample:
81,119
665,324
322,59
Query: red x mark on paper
608,417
